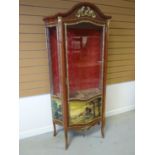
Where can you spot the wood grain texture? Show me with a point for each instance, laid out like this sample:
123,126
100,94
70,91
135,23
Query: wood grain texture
34,76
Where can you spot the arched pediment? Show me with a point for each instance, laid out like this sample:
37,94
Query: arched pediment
80,10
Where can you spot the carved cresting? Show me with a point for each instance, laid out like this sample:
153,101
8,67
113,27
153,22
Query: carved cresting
85,11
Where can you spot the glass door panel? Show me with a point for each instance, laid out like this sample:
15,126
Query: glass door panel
84,63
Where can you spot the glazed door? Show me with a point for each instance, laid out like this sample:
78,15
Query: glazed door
84,57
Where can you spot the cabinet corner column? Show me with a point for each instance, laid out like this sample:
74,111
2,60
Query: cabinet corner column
105,58
61,44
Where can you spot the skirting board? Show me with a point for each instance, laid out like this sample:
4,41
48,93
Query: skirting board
47,129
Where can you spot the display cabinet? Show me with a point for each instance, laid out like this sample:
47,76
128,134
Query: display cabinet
77,46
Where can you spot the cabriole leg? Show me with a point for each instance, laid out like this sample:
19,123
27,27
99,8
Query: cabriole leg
66,139
102,128
102,131
54,126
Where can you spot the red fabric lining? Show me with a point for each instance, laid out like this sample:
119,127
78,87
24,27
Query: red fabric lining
54,59
84,59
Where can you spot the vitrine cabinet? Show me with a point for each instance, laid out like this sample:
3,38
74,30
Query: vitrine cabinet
77,47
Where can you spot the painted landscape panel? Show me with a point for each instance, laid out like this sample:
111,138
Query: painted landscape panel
83,112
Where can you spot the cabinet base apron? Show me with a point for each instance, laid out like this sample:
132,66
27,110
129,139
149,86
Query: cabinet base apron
83,115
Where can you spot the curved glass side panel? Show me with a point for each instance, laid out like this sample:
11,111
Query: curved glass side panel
55,77
84,63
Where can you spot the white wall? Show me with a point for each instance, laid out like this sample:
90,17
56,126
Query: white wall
35,115
35,111
120,98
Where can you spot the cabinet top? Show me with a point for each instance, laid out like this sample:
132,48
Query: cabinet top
81,11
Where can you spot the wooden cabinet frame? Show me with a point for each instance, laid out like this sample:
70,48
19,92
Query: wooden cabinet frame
81,13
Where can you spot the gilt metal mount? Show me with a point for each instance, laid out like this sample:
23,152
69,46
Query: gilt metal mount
85,11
